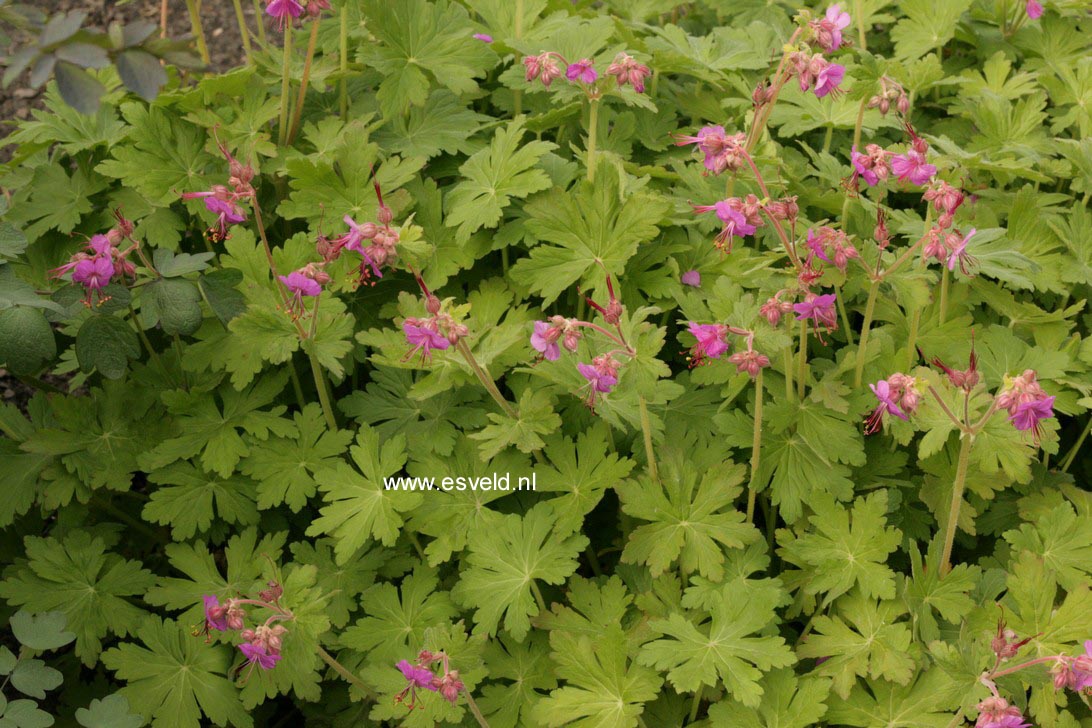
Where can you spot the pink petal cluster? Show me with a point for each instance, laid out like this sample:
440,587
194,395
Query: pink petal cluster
223,200
723,152
873,165
691,278
304,282
712,342
375,242
1034,9
101,261
1026,402
544,67
828,29
549,336
284,11
740,217
898,396
419,675
912,167
831,246
816,73
582,71
261,645
602,375
819,309
995,712
628,71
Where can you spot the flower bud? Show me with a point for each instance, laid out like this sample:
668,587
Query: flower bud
432,304
903,104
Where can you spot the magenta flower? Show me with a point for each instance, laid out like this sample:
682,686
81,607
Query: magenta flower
691,278
1034,9
283,10
215,614
861,163
101,245
828,30
544,340
1008,721
483,37
1026,415
582,70
828,79
418,677
255,654
912,167
722,151
423,339
601,380
736,225
888,406
712,342
1080,672
820,309
300,284
958,254
93,273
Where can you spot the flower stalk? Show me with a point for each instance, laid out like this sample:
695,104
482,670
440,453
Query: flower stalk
646,431
486,380
862,347
194,8
244,33
756,450
286,72
966,441
593,127
305,80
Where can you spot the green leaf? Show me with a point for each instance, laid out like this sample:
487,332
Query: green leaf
579,473
53,200
24,714
173,265
174,304
603,687
441,125
77,576
845,548
924,704
285,468
866,641
596,223
420,41
928,24
220,289
141,72
106,343
78,88
44,631
359,505
503,563
33,678
213,430
12,242
186,495
506,169
925,592
696,655
691,521
1063,540
787,702
173,679
536,417
109,712
27,342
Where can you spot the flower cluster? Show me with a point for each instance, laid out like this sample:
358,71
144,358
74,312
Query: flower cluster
547,66
285,11
712,343
741,217
420,675
261,645
827,30
551,335
375,242
891,91
304,282
898,396
815,72
439,330
722,151
101,262
1026,402
223,200
831,246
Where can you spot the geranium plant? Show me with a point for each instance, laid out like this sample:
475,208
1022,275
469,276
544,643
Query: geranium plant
527,363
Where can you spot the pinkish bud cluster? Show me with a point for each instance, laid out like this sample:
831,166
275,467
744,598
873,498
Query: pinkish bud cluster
898,396
1026,402
440,330
375,242
891,93
774,309
827,30
547,67
602,375
712,342
552,334
101,262
995,712
629,72
740,218
261,644
815,72
1005,643
873,166
723,152
831,246
420,675
913,165
946,200
949,248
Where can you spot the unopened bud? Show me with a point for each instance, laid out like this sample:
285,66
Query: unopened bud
884,106
432,304
903,104
385,215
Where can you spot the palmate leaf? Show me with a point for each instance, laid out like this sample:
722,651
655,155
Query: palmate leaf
341,584
506,169
528,673
1063,540
865,641
174,678
595,223
359,507
691,521
924,704
845,547
212,429
787,702
502,564
603,687
925,592
187,494
285,467
77,576
54,200
420,41
725,647
928,24
441,125
535,417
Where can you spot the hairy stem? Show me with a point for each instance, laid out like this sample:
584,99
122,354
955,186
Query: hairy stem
282,127
915,322
194,8
943,312
297,386
827,138
858,14
323,393
787,355
486,380
1076,446
695,704
259,15
517,95
593,127
646,430
840,300
862,347
297,114
756,449
244,33
538,596
474,710
343,671
802,362
967,439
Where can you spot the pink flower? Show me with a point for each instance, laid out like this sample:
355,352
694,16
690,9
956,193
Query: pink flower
600,380
898,396
736,223
299,283
1080,674
93,273
582,70
215,614
1034,9
712,342
227,213
863,166
544,340
628,71
912,167
422,338
828,30
691,278
255,654
1026,415
450,686
828,79
282,10
945,197
722,151
958,254
820,309
483,37
418,677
